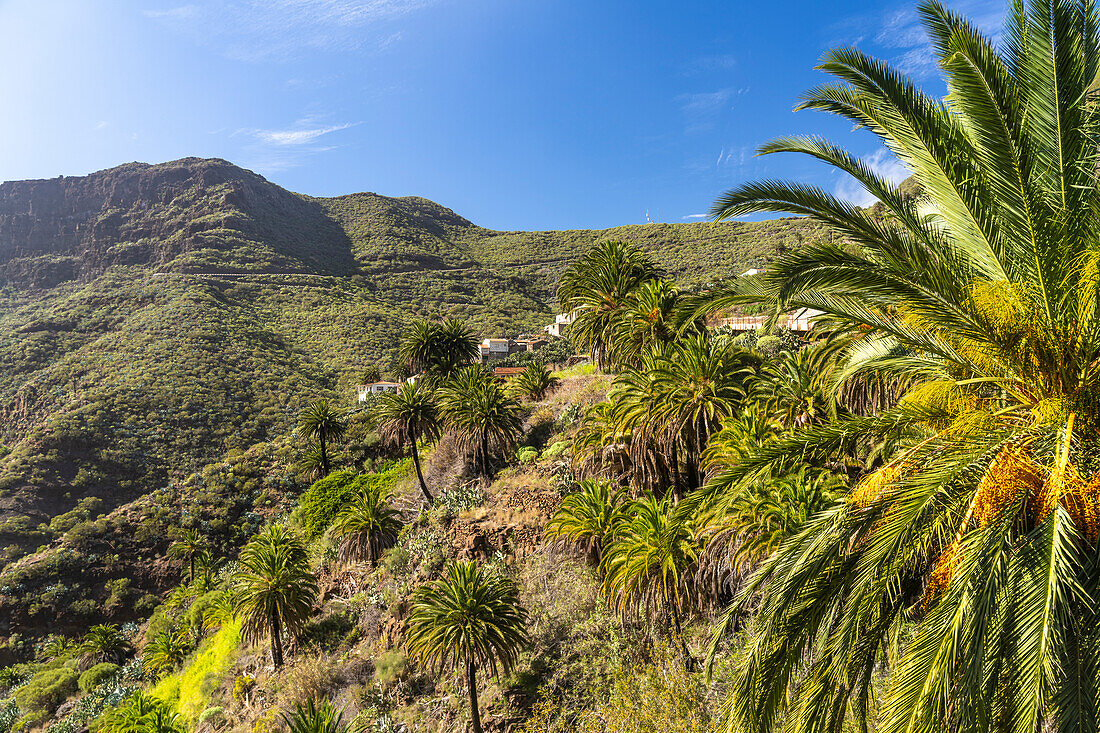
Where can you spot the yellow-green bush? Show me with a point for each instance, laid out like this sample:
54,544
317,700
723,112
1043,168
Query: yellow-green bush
189,689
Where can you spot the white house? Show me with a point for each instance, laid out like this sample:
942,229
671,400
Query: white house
365,390
557,328
492,349
753,271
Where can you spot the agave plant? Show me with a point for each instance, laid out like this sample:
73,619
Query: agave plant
315,718
980,537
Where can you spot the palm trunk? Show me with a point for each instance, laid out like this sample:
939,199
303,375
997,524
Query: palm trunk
677,489
485,457
423,486
685,654
276,642
471,688
324,454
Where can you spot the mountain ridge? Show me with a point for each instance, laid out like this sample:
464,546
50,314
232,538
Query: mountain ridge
156,318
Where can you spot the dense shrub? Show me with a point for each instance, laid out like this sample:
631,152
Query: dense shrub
322,501
96,676
390,667
46,690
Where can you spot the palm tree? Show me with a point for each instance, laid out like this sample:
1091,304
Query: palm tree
791,386
482,418
189,544
405,417
275,588
533,383
699,384
321,423
978,538
367,526
648,564
472,617
314,718
648,317
166,651
438,350
104,643
595,287
140,712
588,518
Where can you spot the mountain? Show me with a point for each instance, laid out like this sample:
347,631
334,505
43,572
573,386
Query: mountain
155,319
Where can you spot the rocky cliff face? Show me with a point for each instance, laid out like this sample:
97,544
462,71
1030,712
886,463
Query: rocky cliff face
190,215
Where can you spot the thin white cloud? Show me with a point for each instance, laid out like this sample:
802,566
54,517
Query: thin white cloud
883,163
694,216
297,136
901,34
178,13
257,30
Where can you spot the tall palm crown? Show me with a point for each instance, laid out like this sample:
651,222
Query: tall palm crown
322,423
274,588
472,616
699,382
595,287
482,417
405,417
648,317
438,349
189,544
983,528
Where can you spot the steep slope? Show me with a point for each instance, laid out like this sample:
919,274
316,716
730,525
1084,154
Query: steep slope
155,317
190,215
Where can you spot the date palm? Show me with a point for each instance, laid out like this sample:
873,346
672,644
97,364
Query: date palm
979,536
699,382
140,712
275,588
322,423
588,518
470,618
367,526
166,651
533,383
596,287
648,565
405,417
104,643
189,544
483,419
438,350
648,317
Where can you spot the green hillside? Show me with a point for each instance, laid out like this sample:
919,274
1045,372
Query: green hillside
153,318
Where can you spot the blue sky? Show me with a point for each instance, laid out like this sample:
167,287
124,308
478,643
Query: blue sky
517,114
